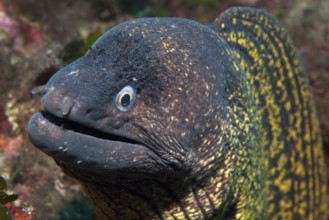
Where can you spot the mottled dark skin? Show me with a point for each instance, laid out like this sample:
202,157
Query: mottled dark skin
192,146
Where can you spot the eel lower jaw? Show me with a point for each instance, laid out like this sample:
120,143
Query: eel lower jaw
87,149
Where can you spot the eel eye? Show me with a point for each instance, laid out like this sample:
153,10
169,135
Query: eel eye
126,98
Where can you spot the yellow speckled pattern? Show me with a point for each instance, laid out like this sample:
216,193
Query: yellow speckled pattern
296,182
257,152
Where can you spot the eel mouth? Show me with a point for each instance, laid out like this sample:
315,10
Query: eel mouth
81,147
66,124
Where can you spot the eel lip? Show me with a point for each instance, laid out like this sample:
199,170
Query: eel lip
88,150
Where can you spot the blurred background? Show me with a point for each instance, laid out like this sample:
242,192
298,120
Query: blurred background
37,37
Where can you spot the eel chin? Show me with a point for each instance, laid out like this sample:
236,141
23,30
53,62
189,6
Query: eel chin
83,148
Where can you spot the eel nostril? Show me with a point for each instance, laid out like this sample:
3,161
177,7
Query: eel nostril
67,105
41,90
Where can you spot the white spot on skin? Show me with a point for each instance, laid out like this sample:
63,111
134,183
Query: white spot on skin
172,118
165,109
42,122
51,89
73,72
79,161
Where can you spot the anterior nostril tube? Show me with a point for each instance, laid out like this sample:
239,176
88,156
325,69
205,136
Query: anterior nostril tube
67,105
41,90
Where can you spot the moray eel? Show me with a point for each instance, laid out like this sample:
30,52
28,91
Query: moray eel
165,118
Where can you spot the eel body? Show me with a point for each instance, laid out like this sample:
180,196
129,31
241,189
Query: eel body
165,118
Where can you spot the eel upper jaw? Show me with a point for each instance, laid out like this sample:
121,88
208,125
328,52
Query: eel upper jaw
85,148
